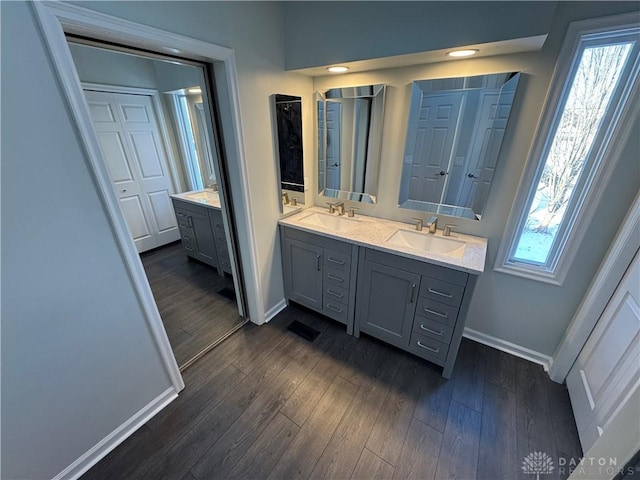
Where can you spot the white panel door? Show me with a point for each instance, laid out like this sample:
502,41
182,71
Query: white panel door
607,370
491,124
434,140
130,139
334,144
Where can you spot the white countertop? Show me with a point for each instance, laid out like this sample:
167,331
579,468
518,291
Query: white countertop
374,233
206,197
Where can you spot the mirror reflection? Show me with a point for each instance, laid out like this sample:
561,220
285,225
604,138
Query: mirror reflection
159,143
349,142
454,135
288,119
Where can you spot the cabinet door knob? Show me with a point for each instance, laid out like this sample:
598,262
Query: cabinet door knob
413,293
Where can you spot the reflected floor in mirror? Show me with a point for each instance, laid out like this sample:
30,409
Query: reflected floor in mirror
196,304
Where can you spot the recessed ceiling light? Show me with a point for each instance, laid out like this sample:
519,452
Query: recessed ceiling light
195,91
463,53
338,69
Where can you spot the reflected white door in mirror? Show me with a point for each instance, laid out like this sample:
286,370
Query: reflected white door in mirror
454,134
349,142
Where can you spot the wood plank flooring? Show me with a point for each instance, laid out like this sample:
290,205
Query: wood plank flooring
268,404
186,292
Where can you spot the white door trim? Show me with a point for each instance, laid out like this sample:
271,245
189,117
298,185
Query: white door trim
56,18
162,122
612,268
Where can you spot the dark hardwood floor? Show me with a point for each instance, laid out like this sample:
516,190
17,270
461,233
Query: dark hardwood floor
186,292
268,404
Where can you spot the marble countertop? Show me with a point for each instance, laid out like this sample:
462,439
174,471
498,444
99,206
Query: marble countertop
374,232
206,197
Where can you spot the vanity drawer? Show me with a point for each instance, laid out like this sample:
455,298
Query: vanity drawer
336,293
188,243
336,276
428,348
336,310
441,291
221,242
437,311
337,260
436,330
183,218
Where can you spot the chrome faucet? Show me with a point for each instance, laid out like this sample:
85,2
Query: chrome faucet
418,224
339,207
432,224
285,198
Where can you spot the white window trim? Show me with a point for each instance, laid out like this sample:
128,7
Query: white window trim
555,272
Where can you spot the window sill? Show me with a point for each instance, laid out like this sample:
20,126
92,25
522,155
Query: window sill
538,275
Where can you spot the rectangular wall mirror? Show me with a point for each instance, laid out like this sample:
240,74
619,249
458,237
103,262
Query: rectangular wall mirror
455,131
349,142
288,118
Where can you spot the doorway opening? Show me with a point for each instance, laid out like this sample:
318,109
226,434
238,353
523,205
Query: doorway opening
155,118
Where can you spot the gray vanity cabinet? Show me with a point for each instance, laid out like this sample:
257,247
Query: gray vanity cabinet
319,273
386,301
416,306
303,272
196,232
224,260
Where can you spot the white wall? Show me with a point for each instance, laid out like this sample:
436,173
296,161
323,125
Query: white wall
325,33
530,314
77,356
255,30
96,65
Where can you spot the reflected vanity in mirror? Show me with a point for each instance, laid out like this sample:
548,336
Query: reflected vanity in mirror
454,135
349,142
288,118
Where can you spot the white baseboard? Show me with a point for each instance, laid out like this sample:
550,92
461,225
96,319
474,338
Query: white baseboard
508,347
275,310
115,438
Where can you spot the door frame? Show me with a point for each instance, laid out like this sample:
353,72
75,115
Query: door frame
166,139
55,19
595,300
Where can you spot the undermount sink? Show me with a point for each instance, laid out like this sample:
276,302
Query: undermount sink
203,195
330,222
427,243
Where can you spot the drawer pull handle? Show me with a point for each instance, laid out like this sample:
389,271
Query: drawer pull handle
190,221
180,214
434,350
333,277
435,292
333,260
413,293
335,294
331,307
318,258
422,327
185,237
433,312
188,248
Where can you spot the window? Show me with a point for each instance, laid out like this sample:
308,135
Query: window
574,151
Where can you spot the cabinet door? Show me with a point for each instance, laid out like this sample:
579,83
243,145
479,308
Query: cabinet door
204,241
303,272
386,302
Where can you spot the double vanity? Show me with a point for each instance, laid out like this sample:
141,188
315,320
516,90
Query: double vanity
201,227
407,287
